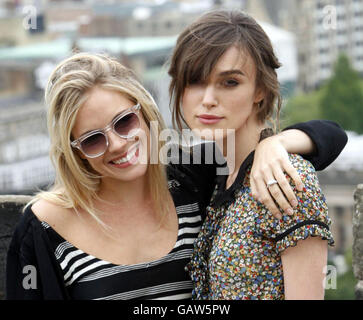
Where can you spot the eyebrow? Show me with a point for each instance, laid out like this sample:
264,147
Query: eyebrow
102,129
231,72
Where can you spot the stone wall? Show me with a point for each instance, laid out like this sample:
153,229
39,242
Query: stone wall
10,210
358,241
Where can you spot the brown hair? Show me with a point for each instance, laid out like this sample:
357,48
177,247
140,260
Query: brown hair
201,44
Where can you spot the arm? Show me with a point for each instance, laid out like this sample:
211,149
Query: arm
319,141
196,169
296,141
21,274
32,271
329,140
304,269
302,239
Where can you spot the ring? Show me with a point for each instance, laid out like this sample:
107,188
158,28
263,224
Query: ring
271,183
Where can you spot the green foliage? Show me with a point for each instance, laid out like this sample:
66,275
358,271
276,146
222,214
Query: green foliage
340,100
343,98
345,283
302,108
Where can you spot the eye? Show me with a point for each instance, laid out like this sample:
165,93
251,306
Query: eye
230,82
196,82
193,83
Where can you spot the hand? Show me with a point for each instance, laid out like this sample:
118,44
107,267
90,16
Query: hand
270,161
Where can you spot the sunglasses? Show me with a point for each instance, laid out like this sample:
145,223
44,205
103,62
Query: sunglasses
95,143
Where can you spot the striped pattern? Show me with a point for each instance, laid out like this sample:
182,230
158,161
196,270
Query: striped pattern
87,277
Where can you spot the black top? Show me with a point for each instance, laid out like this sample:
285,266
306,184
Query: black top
87,277
190,185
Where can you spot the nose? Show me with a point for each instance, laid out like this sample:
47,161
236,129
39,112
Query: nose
115,143
209,97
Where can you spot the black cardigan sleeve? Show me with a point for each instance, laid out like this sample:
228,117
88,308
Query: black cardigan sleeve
197,168
21,278
329,139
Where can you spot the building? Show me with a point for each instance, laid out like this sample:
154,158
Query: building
284,44
21,22
325,29
24,144
141,19
338,183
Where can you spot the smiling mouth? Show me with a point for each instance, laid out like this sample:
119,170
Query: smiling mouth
130,154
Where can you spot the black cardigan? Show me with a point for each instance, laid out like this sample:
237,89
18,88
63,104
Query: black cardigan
30,244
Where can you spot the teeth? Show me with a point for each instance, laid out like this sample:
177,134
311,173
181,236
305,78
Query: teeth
129,156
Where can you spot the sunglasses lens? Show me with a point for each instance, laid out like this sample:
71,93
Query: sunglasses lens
126,124
94,144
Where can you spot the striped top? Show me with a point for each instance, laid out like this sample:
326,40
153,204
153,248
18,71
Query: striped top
90,278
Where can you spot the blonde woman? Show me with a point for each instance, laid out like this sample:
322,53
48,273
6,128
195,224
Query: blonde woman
115,225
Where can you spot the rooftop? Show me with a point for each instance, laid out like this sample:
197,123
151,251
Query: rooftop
62,47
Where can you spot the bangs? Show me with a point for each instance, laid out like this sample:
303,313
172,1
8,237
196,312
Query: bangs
200,55
201,64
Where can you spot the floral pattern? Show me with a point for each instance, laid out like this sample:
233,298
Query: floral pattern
238,251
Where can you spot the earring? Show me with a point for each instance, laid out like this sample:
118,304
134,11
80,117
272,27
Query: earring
259,105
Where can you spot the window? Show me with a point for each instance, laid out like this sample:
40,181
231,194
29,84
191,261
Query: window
325,66
324,50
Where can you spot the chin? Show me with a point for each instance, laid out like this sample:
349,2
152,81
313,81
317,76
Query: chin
132,172
135,172
209,133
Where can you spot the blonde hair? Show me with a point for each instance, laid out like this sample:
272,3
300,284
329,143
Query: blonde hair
76,184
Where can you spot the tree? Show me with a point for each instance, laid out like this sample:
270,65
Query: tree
342,100
301,108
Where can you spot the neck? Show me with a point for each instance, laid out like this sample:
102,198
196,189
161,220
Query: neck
245,141
124,194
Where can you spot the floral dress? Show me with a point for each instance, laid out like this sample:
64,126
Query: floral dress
238,251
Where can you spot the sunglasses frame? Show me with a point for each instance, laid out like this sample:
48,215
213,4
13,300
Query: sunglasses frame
111,126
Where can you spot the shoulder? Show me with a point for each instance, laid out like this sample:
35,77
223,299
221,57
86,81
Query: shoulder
306,171
310,217
300,163
202,158
54,215
311,196
311,200
27,229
